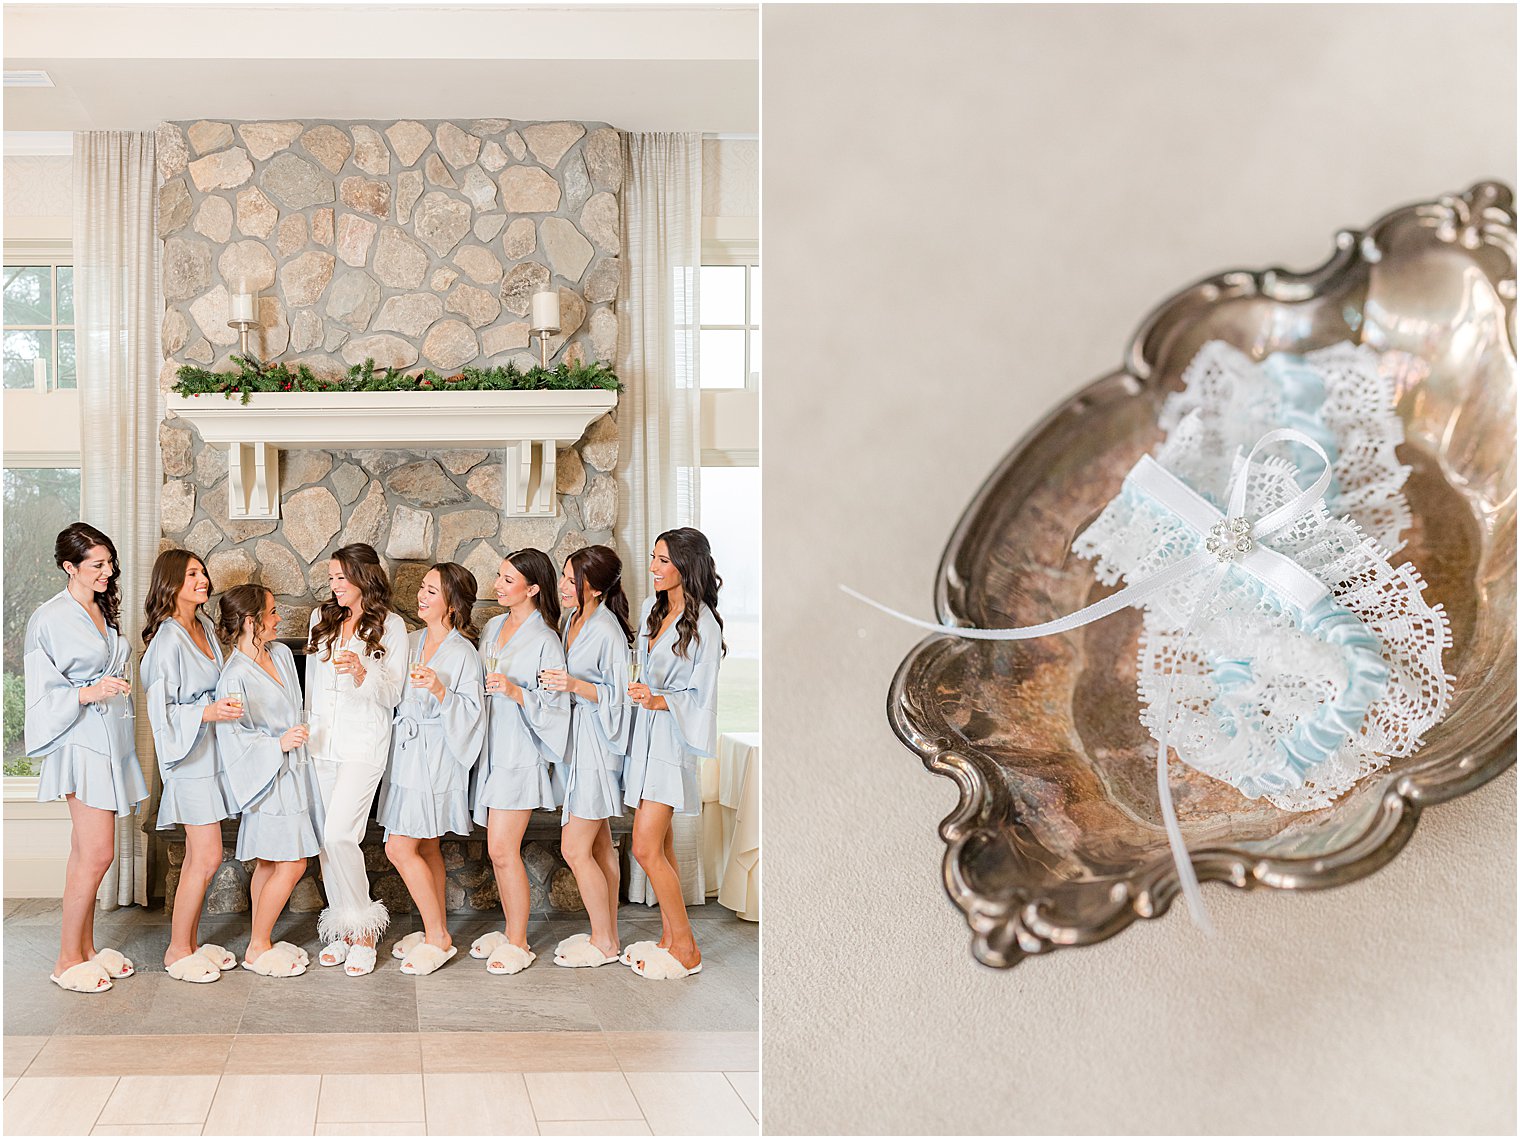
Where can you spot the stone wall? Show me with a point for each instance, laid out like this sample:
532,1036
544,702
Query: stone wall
412,243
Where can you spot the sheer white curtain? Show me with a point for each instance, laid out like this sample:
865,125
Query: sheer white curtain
660,413
117,313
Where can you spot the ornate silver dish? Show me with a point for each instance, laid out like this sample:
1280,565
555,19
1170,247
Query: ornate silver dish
1058,840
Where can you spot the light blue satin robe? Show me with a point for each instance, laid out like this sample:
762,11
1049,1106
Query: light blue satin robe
275,791
180,681
590,782
522,741
435,745
663,753
87,750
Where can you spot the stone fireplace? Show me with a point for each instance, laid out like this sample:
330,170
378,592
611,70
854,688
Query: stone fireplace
415,244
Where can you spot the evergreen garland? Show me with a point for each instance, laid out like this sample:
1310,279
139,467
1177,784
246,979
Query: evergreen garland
255,376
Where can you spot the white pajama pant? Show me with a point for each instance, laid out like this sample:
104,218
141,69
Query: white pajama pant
348,792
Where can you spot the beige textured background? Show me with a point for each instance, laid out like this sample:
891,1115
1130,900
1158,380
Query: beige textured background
966,213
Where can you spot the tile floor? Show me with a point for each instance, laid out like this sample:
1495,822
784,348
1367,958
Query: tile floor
550,1051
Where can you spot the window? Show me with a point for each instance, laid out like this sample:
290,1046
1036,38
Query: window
39,325
731,520
39,502
729,335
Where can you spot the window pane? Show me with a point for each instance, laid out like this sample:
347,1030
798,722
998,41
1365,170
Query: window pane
754,354
68,377
65,294
38,504
22,348
722,294
28,294
731,521
722,358
754,294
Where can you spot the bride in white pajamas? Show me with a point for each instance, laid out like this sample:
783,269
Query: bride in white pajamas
355,677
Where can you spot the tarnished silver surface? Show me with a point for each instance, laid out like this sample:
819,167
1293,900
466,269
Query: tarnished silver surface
1057,840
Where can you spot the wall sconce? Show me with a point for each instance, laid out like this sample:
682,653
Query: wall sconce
545,322
243,315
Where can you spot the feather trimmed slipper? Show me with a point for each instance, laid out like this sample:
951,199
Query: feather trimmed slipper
509,959
581,955
334,953
195,969
425,959
86,977
661,965
361,960
408,943
485,945
114,962
627,957
219,957
277,961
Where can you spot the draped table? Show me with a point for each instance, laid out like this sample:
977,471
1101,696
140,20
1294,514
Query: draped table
718,851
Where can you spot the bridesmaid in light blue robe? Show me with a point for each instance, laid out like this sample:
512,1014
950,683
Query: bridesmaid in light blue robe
435,745
181,682
79,724
666,744
590,781
527,728
269,772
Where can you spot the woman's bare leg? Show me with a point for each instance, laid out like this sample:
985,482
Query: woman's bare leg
431,850
203,855
422,885
92,848
504,834
651,829
606,856
279,881
577,844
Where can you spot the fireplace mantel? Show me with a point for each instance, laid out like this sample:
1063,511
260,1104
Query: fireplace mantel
528,427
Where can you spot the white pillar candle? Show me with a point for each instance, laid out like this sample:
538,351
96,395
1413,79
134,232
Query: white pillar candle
39,374
242,307
546,311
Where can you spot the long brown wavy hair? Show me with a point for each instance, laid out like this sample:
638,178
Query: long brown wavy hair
459,589
73,544
598,569
169,573
239,604
539,570
361,565
691,554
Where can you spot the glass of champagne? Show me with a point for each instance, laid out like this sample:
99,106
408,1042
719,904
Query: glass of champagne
416,665
125,673
304,723
635,672
493,665
235,694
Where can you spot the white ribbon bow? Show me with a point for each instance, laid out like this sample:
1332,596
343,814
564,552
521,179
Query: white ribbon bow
1229,539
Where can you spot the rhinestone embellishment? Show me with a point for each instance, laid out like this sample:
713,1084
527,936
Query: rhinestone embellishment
1230,539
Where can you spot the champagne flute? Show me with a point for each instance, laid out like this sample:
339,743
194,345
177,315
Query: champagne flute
635,671
417,664
125,673
493,664
235,694
304,723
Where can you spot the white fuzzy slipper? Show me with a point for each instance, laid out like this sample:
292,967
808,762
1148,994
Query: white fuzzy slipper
509,959
361,960
485,945
573,939
86,977
277,961
425,959
114,963
195,969
581,955
300,954
408,943
218,957
658,964
334,953
641,947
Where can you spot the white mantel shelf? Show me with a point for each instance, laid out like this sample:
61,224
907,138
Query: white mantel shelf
527,426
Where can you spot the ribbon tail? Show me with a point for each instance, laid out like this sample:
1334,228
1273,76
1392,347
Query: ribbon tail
1187,878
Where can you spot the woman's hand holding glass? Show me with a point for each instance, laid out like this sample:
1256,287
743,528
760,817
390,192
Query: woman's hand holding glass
294,737
559,680
346,662
423,677
225,710
639,694
106,688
